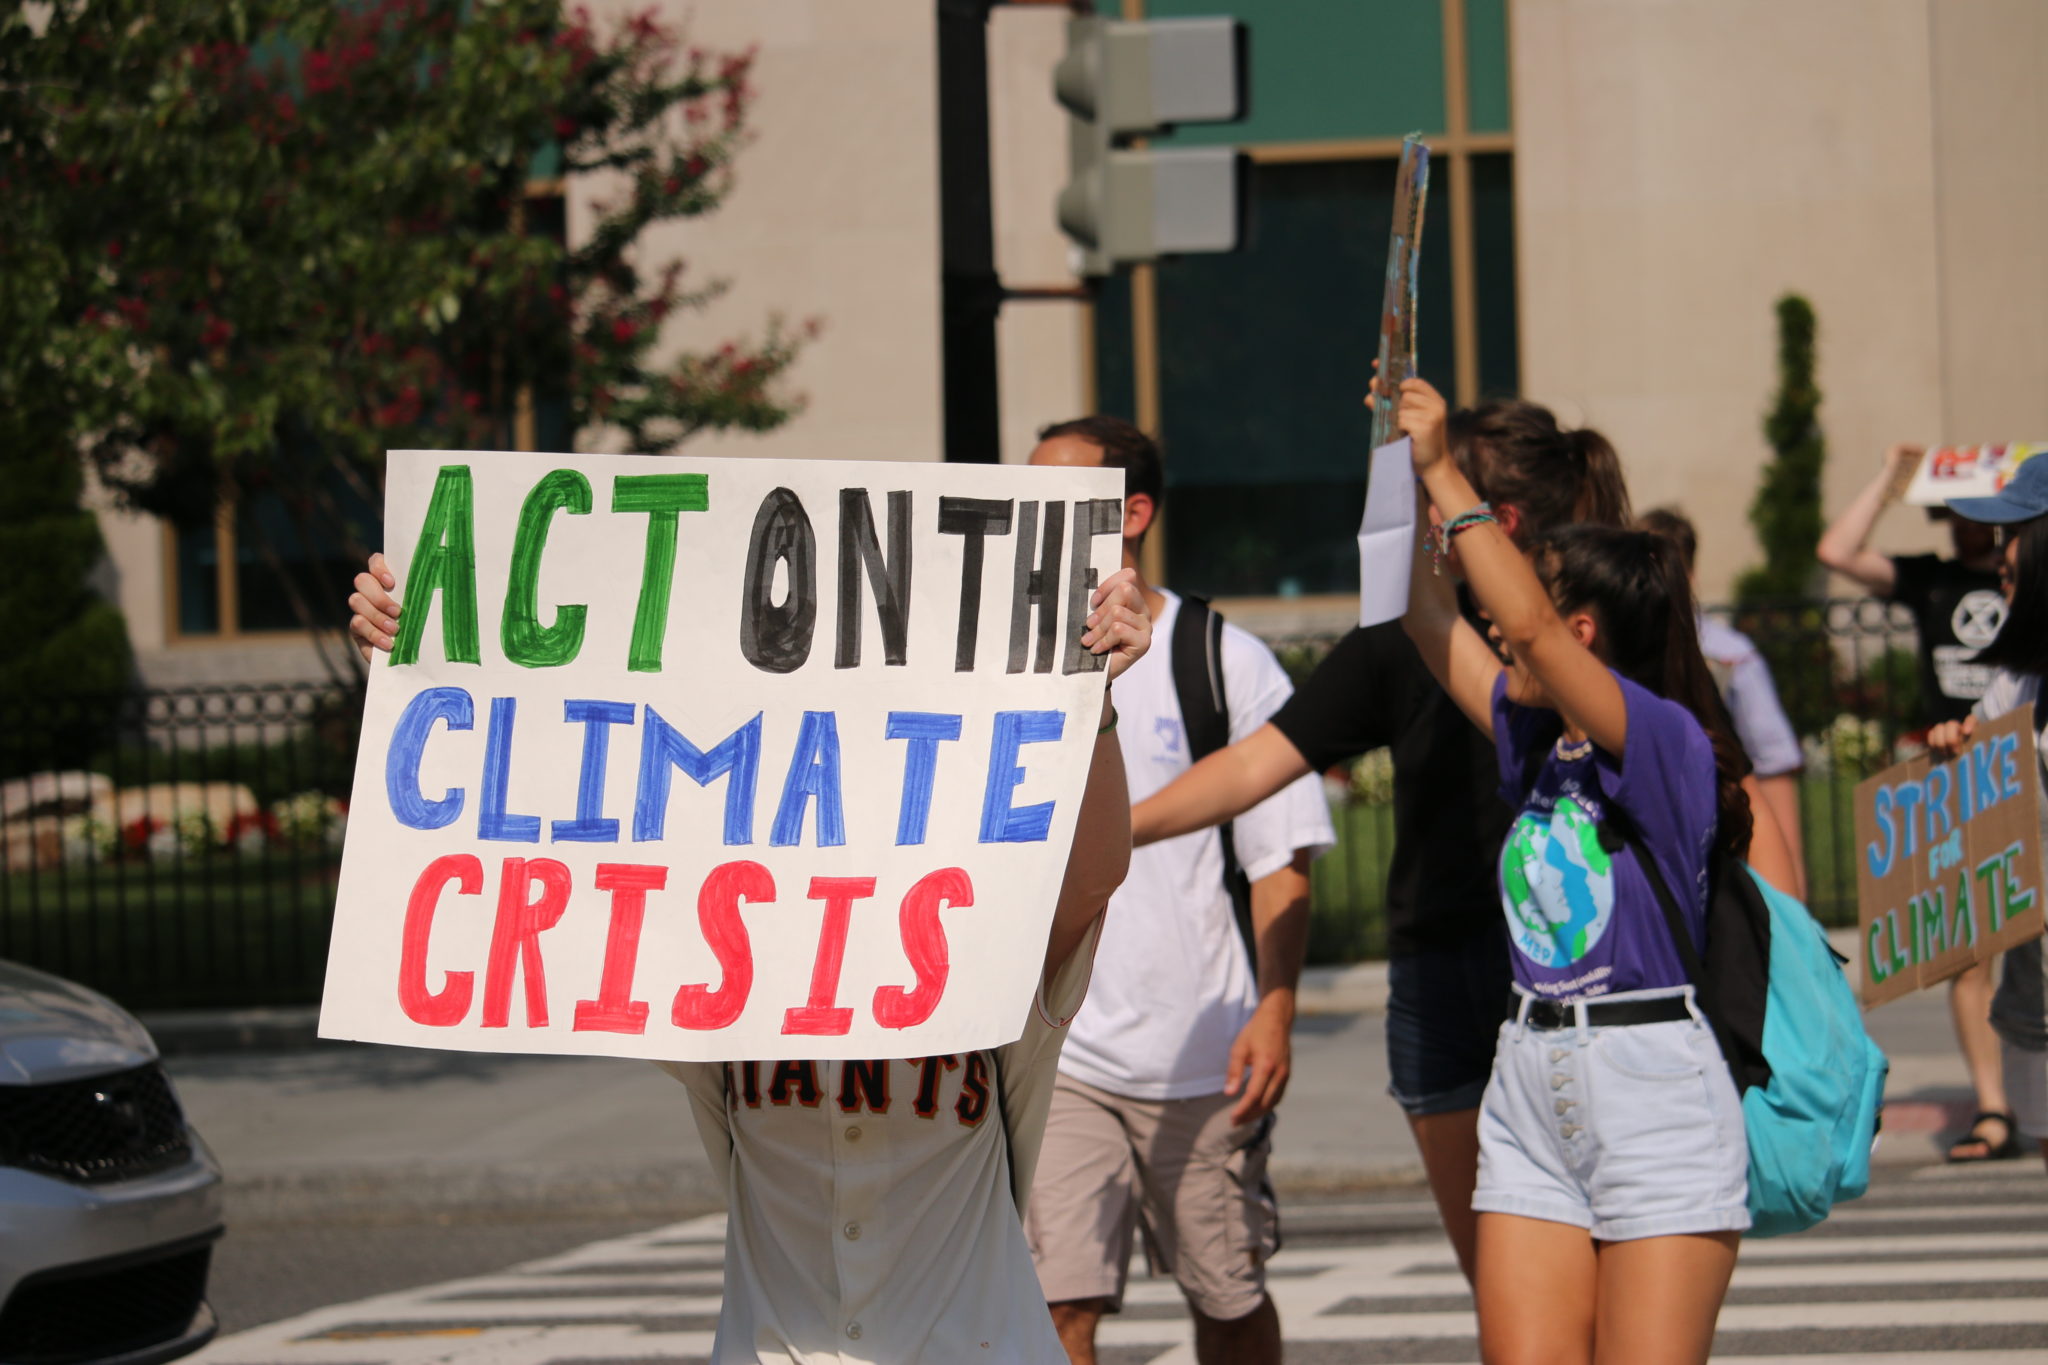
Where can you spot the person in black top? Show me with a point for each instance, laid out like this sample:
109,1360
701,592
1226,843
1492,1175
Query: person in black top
1956,604
1957,609
1448,975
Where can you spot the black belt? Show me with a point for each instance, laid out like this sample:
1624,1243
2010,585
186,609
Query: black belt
1553,1014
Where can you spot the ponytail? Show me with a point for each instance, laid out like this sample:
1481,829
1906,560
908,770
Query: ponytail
1515,454
1603,494
1637,587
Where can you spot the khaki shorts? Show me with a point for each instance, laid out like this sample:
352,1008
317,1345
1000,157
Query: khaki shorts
1194,1181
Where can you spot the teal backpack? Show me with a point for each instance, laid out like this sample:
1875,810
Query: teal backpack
1811,1080
1812,1125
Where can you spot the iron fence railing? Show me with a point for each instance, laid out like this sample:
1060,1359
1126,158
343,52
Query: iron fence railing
175,848
180,848
1847,674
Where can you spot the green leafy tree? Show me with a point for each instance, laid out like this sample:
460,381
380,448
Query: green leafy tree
1778,600
252,244
1787,509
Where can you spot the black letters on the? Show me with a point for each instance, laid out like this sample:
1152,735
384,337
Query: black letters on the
1094,517
1036,589
974,518
777,639
890,580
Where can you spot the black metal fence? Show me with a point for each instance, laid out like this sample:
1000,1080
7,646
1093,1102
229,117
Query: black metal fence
1845,670
175,848
180,848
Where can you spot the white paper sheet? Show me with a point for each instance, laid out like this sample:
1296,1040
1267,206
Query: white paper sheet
1386,536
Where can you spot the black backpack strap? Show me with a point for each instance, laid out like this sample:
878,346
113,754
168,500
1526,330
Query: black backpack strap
1197,657
1688,954
1734,997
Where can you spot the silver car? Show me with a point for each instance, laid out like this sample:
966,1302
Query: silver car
109,1202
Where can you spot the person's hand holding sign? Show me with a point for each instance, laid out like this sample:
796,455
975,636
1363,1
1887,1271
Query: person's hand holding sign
375,619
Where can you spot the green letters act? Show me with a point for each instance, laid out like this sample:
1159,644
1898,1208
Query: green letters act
444,561
527,642
661,496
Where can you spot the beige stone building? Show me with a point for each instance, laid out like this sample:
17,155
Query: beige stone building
1621,189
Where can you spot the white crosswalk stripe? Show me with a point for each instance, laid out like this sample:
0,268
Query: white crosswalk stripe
1949,1267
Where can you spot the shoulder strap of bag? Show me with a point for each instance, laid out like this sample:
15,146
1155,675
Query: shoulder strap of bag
1688,954
1737,1025
1205,716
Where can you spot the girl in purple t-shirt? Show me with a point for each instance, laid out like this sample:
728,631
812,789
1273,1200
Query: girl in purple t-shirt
1613,1166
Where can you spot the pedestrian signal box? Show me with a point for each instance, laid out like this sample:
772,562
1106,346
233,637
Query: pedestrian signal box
1125,80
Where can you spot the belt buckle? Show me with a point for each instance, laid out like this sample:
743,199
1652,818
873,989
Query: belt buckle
1548,1014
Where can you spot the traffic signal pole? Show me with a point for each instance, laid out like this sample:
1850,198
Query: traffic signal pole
970,295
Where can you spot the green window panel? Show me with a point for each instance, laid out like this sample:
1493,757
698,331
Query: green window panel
1486,66
1493,275
1264,357
1327,69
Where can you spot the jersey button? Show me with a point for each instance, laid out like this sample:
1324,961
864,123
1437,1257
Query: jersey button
853,1330
853,1133
852,1232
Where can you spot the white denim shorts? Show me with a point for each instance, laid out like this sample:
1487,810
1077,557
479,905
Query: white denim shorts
1627,1131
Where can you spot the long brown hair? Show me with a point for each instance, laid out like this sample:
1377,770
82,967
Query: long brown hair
1636,585
1516,454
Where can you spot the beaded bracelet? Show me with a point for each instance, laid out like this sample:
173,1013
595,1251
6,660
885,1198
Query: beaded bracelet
1480,514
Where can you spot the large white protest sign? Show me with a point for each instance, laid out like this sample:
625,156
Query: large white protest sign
719,759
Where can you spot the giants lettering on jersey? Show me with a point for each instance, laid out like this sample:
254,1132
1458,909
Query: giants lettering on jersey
867,1087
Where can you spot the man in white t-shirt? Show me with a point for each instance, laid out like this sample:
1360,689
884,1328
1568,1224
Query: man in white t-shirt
1162,1110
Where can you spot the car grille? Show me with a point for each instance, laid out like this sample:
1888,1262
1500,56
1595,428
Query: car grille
91,1131
90,1312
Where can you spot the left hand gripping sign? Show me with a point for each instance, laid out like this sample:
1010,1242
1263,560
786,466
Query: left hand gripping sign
703,760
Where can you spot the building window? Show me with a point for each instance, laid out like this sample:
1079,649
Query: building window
1263,358
234,576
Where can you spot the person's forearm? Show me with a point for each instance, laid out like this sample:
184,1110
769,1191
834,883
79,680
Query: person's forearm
1500,578
1781,795
1280,915
1221,787
1101,853
1843,546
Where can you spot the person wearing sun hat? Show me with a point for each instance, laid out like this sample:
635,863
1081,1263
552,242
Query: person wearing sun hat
2019,515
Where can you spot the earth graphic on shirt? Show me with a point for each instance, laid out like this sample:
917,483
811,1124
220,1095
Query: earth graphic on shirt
1557,884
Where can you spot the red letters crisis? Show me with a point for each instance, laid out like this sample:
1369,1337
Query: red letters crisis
533,894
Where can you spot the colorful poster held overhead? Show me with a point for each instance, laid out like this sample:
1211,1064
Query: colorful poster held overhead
1946,472
1948,859
1397,303
719,759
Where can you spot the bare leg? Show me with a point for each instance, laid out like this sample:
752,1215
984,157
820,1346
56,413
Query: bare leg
1536,1287
1449,1144
1659,1297
1075,1321
1969,1003
1253,1339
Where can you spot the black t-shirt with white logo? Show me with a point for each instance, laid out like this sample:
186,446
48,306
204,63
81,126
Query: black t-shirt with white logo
1957,611
1374,691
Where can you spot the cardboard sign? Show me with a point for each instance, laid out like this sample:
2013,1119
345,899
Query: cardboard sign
707,760
1948,472
1948,859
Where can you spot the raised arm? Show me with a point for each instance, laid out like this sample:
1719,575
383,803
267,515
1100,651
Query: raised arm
1581,687
1221,787
1462,663
1844,546
1119,627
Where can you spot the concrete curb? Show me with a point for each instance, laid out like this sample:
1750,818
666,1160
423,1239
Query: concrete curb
1356,988
183,1033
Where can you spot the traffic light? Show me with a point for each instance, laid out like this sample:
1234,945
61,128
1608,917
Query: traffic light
1121,80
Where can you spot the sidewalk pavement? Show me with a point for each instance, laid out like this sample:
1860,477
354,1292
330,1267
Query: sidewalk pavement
385,1132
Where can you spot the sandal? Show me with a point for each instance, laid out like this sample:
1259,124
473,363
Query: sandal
1959,1153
